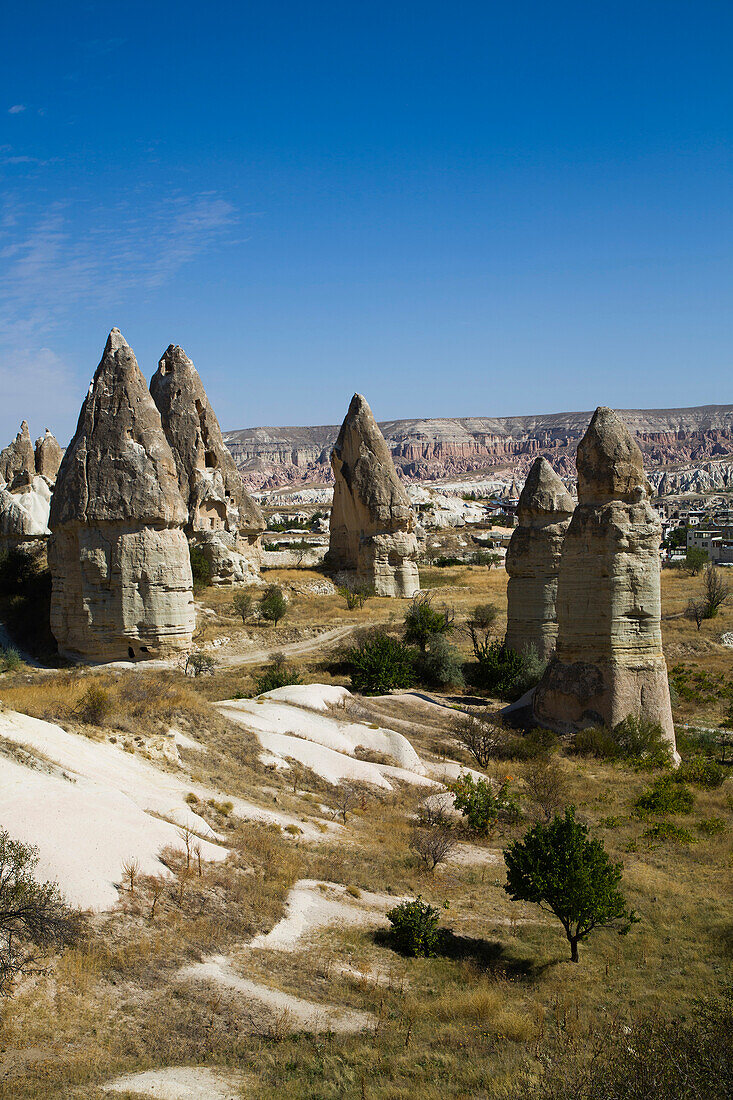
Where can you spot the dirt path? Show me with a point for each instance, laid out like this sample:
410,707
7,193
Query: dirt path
292,649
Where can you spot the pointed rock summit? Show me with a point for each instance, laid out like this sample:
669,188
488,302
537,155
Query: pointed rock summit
609,662
533,560
48,455
373,527
222,516
118,555
17,460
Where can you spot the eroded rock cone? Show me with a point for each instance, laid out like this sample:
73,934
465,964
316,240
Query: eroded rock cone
118,554
533,560
373,527
609,663
222,517
17,461
48,455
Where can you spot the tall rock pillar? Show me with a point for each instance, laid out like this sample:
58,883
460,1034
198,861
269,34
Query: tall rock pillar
609,662
223,519
118,554
533,560
373,526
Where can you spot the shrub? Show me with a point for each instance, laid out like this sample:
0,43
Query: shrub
547,785
713,826
665,830
380,663
273,605
277,675
33,915
355,592
415,927
481,806
701,773
94,706
440,665
487,741
531,672
10,659
499,671
423,620
433,843
665,796
198,663
634,740
558,868
200,567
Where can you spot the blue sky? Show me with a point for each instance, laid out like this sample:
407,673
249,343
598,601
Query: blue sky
465,209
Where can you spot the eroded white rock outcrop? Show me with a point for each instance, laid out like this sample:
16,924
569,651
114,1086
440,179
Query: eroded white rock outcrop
609,662
118,554
373,532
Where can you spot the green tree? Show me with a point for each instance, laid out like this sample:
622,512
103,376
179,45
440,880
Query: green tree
273,605
695,561
242,603
200,567
481,805
440,664
33,915
423,620
557,867
380,663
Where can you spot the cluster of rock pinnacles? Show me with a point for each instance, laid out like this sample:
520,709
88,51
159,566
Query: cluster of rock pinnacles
584,587
147,473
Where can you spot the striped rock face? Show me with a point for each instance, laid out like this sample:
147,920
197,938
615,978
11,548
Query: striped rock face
533,561
118,554
608,663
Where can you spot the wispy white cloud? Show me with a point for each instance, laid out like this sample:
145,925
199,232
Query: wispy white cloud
60,261
16,109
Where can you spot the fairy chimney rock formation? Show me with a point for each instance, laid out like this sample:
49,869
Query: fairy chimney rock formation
533,559
17,461
48,455
118,554
608,663
222,517
373,527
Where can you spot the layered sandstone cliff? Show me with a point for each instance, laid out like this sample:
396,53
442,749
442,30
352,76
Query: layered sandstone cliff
608,662
118,554
439,448
533,560
373,528
223,519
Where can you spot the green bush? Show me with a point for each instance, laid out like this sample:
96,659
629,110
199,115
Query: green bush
279,674
712,826
499,671
701,773
634,740
665,830
379,663
423,620
10,659
440,665
665,796
200,567
481,805
415,927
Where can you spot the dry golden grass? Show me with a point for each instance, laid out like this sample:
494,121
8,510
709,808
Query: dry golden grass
466,1023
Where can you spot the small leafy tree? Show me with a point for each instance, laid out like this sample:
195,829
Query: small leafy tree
355,592
480,738
559,868
243,603
198,663
501,671
716,591
415,927
424,620
480,628
33,915
380,663
481,805
433,836
695,561
273,605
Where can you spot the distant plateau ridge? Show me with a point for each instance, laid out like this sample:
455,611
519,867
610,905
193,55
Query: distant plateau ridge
448,447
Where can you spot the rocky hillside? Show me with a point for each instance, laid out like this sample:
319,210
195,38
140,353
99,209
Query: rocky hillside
438,448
